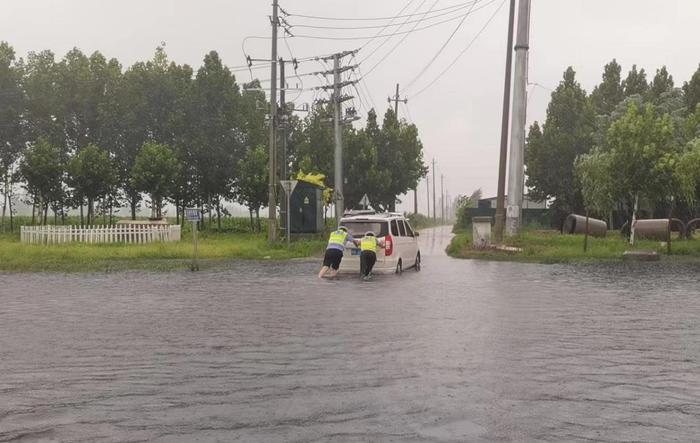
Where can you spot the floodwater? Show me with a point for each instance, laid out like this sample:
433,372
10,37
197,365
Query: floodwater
461,351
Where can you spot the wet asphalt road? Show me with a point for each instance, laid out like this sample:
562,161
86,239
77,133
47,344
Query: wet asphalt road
462,351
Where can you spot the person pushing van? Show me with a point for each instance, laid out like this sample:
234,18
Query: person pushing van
368,254
334,251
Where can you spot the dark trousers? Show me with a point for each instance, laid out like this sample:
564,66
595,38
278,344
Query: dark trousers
367,261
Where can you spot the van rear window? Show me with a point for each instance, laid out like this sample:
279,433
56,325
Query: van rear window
358,229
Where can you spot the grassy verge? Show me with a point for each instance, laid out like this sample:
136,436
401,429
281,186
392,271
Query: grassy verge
213,248
552,247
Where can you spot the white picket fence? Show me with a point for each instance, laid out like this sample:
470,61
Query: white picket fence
137,234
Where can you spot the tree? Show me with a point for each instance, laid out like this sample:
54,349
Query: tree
92,176
688,173
43,169
154,172
691,89
610,91
642,156
551,151
12,134
217,143
400,156
149,104
252,184
361,168
661,84
635,83
595,175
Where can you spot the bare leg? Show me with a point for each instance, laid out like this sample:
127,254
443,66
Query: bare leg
334,272
323,271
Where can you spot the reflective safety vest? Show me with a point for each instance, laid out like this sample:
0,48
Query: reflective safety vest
368,243
338,238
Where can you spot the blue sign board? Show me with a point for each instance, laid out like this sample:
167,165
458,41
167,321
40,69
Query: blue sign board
193,215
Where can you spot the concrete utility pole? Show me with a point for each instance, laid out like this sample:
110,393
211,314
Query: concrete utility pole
282,155
434,202
396,101
272,193
516,174
427,189
339,199
442,195
337,98
500,199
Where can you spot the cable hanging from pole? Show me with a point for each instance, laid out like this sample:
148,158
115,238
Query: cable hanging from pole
442,48
408,21
456,59
315,17
319,37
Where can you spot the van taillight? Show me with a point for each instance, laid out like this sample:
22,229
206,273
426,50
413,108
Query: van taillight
388,245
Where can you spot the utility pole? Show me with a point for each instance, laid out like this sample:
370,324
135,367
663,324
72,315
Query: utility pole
442,196
339,199
500,199
272,193
427,189
282,155
337,98
434,202
396,101
516,174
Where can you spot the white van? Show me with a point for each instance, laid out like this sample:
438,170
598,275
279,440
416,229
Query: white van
401,250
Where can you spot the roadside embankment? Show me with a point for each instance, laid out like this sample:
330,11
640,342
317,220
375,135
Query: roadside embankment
543,246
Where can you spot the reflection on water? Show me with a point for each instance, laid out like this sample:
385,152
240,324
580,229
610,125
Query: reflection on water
461,351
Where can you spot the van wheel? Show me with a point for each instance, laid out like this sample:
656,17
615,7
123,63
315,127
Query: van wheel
399,267
417,266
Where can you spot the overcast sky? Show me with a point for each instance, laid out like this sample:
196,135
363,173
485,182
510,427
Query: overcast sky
458,116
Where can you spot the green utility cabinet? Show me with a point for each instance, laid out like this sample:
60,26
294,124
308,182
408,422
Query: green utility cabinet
306,216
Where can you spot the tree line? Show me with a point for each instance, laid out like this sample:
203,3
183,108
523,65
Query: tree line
631,143
83,132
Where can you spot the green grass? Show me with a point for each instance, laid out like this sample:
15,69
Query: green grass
553,247
214,248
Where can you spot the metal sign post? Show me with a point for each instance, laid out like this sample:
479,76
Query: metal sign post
365,201
194,216
288,186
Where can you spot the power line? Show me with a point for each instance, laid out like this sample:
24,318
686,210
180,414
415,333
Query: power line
422,19
382,30
387,38
456,59
396,45
319,37
442,48
315,17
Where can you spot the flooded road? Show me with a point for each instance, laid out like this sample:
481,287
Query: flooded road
461,351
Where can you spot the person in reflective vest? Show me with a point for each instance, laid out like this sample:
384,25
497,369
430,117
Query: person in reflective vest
368,254
334,251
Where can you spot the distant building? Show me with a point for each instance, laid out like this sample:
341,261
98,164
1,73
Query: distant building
490,203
